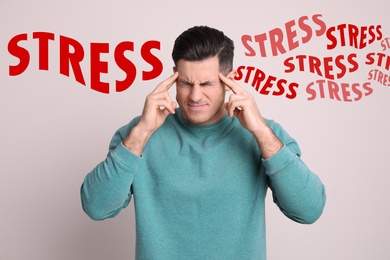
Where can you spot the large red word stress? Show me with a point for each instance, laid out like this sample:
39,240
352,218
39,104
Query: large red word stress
72,54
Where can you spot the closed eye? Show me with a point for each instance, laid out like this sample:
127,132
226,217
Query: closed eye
207,84
185,83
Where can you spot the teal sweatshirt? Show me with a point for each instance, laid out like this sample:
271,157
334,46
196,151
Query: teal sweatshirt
199,191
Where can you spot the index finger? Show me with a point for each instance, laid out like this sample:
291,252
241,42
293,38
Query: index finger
166,84
231,84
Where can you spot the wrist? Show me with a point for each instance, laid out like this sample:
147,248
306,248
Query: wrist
137,139
269,144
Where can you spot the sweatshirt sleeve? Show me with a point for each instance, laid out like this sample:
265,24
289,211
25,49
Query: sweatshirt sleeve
106,190
297,191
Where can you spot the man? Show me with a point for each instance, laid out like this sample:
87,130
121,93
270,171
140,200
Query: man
199,172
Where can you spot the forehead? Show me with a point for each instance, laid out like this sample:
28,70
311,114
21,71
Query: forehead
204,70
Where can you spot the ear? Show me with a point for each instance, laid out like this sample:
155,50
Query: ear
230,76
174,69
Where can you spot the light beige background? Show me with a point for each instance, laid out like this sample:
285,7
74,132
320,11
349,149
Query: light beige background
54,130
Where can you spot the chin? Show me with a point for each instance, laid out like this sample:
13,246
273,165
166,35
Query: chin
195,120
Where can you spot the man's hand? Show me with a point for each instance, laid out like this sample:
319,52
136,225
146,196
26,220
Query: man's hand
157,107
242,105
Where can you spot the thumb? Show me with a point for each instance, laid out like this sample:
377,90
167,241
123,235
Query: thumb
173,105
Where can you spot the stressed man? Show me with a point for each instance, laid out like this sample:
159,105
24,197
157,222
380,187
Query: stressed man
199,169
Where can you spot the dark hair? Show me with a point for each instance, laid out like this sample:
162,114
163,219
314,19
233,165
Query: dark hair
201,42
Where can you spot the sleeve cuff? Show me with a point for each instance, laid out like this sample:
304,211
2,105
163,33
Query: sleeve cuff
278,161
126,157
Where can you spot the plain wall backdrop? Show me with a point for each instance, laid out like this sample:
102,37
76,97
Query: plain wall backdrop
54,130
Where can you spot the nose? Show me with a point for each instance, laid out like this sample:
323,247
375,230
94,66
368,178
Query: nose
196,93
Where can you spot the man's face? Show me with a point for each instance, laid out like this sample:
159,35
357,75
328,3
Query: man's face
199,93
